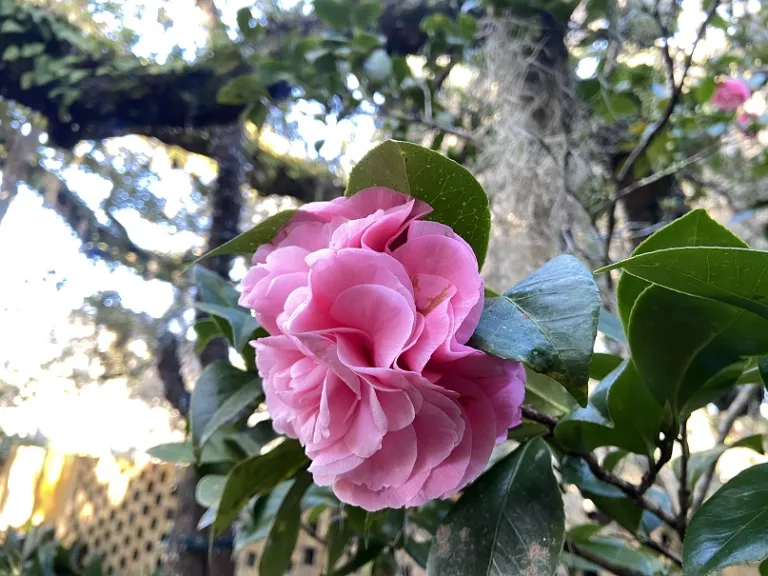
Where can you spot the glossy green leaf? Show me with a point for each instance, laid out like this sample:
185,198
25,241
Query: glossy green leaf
701,461
731,526
582,532
694,229
258,519
547,396
254,476
509,521
527,430
608,498
611,326
218,381
215,451
619,553
456,198
683,347
621,412
734,276
206,329
276,555
613,458
208,490
548,321
603,364
241,399
243,324
248,242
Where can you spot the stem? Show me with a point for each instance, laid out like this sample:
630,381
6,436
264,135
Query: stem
685,495
744,397
634,492
656,547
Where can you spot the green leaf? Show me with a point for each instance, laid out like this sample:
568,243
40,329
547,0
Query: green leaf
243,325
730,527
255,476
619,553
366,13
214,452
214,289
582,532
456,198
548,321
603,364
241,90
206,330
683,346
332,12
466,26
694,229
611,326
11,27
244,21
32,49
276,556
701,461
764,568
608,498
208,490
258,519
526,431
241,399
434,24
509,521
622,104
216,384
547,396
612,459
11,53
734,276
705,89
246,243
621,412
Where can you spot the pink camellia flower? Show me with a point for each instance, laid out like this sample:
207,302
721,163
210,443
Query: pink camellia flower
369,308
730,94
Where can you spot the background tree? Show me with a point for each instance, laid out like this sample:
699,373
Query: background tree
589,123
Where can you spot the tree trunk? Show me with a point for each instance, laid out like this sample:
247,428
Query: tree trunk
181,558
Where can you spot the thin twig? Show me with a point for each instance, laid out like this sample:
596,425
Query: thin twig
684,494
628,488
600,561
656,547
743,398
458,132
655,466
674,168
659,125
